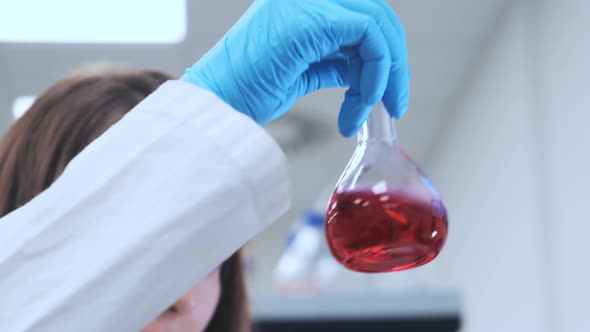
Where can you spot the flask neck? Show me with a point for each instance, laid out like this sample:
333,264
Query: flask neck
380,126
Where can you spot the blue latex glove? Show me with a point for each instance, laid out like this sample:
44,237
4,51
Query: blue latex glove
281,50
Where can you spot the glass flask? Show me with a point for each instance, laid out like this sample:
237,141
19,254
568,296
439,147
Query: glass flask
385,215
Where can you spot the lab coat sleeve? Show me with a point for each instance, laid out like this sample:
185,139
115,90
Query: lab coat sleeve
137,218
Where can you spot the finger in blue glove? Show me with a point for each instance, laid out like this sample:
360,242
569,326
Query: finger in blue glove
281,50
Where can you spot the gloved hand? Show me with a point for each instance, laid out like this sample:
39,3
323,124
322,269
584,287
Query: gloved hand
281,50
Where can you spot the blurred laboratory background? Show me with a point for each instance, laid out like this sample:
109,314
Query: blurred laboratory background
499,118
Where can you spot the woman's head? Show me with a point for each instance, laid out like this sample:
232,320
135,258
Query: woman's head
59,125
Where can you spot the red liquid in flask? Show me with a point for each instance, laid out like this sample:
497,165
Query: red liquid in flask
385,232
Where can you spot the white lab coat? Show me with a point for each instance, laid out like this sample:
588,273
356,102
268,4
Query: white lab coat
149,208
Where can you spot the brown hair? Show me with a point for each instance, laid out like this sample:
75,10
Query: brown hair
60,124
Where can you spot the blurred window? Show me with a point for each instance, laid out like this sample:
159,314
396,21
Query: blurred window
21,105
84,21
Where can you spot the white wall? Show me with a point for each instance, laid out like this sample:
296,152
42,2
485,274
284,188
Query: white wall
515,171
486,170
563,69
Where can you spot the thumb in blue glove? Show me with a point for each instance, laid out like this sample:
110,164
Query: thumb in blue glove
281,50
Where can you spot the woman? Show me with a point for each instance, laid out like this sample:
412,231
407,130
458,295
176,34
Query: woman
181,182
60,124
